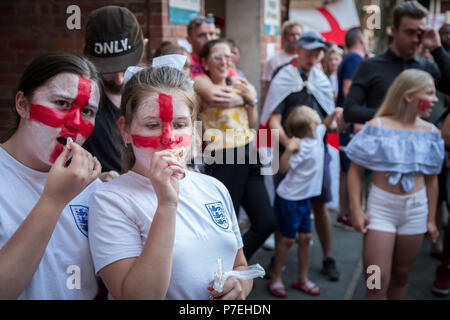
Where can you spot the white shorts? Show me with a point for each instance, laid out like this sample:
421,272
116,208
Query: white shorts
400,214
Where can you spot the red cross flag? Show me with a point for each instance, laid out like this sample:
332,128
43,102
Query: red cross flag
332,21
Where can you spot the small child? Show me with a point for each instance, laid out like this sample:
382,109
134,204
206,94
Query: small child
303,161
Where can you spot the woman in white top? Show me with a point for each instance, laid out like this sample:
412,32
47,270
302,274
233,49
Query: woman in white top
405,154
333,59
157,231
44,250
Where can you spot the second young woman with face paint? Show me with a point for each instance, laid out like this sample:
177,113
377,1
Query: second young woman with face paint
405,154
44,203
157,231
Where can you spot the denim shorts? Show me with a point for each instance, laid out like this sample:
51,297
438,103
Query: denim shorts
292,216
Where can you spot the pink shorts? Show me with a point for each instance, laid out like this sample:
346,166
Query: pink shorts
400,214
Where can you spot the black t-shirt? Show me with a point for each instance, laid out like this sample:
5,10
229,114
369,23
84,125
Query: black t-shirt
374,77
105,142
296,99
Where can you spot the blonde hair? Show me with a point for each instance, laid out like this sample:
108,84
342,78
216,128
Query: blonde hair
407,82
145,83
333,50
290,24
299,121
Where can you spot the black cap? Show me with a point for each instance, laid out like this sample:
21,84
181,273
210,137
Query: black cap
113,39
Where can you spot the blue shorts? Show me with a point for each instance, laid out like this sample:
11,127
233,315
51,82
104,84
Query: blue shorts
292,216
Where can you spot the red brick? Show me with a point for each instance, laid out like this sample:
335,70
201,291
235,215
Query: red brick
141,19
45,9
179,32
7,10
24,45
88,8
155,31
63,44
136,8
8,80
7,91
56,9
29,21
8,56
27,56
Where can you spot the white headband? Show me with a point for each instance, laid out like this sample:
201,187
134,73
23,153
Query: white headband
176,61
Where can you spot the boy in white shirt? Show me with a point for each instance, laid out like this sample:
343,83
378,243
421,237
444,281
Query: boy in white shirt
303,162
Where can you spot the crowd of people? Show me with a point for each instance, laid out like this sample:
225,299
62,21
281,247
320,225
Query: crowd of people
103,196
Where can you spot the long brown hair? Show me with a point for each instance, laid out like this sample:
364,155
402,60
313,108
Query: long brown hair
146,82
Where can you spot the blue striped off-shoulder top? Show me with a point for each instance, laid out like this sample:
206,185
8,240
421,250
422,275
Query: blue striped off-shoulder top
402,153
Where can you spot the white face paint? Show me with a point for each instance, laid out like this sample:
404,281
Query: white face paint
65,106
149,126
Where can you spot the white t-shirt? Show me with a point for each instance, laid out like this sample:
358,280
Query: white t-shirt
67,257
334,83
277,60
206,228
304,178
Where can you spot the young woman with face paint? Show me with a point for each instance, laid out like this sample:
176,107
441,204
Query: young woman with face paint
405,154
227,131
157,230
44,203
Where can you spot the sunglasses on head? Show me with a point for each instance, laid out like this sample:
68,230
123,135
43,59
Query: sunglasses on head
199,21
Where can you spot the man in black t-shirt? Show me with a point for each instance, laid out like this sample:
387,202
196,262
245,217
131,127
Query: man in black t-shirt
113,42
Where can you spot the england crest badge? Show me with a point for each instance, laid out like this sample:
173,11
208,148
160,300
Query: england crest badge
217,213
80,215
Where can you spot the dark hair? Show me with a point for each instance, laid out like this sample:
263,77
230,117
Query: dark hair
144,83
169,48
411,9
352,36
233,44
206,50
45,67
444,26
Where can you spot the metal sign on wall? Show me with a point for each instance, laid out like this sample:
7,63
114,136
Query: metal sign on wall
183,11
272,17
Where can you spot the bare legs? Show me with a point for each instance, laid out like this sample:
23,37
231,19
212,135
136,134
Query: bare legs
282,246
322,222
395,256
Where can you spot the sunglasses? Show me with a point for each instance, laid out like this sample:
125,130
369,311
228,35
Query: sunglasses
219,57
199,21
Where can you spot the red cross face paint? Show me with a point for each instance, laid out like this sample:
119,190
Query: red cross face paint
65,106
168,139
161,123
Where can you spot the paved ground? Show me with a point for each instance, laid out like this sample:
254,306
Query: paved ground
347,249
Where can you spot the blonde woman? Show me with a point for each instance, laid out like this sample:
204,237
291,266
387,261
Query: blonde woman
333,59
405,154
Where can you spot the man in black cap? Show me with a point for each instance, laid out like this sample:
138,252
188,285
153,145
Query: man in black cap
295,84
113,42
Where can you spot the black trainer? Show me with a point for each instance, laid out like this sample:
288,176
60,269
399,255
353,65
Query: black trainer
329,269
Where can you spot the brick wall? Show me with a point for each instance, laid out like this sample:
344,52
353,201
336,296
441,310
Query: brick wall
29,28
